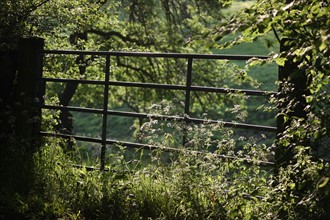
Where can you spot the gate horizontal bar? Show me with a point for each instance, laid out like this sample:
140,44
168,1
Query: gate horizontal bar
157,54
73,108
151,147
230,90
164,86
81,81
165,117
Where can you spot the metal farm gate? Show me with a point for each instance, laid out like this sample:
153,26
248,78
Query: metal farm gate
187,88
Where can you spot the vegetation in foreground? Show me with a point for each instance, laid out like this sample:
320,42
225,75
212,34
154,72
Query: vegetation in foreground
191,186
154,184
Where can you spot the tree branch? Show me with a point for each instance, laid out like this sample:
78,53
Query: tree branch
111,34
33,8
276,35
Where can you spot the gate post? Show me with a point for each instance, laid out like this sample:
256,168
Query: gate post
27,93
27,113
291,95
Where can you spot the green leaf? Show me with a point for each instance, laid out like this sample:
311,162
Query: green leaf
309,98
280,61
323,182
254,63
291,185
323,46
315,9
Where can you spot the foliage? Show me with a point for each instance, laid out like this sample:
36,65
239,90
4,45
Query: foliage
214,179
14,15
16,163
187,185
303,29
183,184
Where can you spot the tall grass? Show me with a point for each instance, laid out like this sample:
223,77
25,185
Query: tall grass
153,184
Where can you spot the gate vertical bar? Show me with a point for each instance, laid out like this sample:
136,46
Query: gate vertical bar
187,100
105,110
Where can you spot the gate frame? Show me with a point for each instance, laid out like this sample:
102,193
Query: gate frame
31,58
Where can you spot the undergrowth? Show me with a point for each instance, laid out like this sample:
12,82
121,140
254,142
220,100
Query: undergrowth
217,175
209,178
192,186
